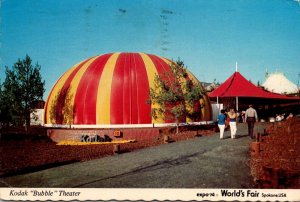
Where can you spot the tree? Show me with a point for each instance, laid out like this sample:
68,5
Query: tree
174,94
22,89
1,105
8,111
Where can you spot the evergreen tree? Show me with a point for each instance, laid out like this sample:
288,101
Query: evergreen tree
22,89
1,105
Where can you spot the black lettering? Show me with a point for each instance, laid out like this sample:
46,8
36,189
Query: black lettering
225,193
65,193
18,193
107,138
252,194
234,193
12,193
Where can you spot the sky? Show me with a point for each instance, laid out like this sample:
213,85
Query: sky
210,36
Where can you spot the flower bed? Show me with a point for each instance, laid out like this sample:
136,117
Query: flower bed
29,153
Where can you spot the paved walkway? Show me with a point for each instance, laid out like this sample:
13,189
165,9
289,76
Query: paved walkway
203,162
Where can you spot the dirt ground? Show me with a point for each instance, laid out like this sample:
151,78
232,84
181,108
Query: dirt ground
200,162
277,165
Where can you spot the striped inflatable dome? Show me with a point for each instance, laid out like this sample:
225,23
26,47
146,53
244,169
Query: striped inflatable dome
110,89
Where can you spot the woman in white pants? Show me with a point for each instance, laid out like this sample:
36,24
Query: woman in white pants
232,123
221,123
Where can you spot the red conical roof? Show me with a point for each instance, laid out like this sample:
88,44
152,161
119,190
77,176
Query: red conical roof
238,86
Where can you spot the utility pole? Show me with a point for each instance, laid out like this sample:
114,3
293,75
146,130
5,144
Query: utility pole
298,81
298,92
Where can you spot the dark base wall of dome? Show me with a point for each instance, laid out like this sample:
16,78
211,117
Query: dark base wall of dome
58,135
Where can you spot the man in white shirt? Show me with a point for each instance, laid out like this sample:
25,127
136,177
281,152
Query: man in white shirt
250,118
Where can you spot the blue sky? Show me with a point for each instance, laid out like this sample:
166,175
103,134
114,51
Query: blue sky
208,35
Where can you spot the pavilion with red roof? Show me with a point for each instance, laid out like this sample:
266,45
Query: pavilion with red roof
238,89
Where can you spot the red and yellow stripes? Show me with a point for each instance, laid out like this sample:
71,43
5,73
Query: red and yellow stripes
129,103
107,89
86,95
57,96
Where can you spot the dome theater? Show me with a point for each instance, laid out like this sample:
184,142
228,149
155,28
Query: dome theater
111,91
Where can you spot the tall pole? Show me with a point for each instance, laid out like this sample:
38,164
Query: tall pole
298,84
298,92
236,98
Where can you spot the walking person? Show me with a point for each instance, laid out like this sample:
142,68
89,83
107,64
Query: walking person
221,123
251,118
232,123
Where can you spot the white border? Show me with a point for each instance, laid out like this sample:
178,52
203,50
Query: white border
154,125
146,194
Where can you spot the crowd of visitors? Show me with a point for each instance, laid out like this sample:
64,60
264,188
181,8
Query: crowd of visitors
230,119
281,117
